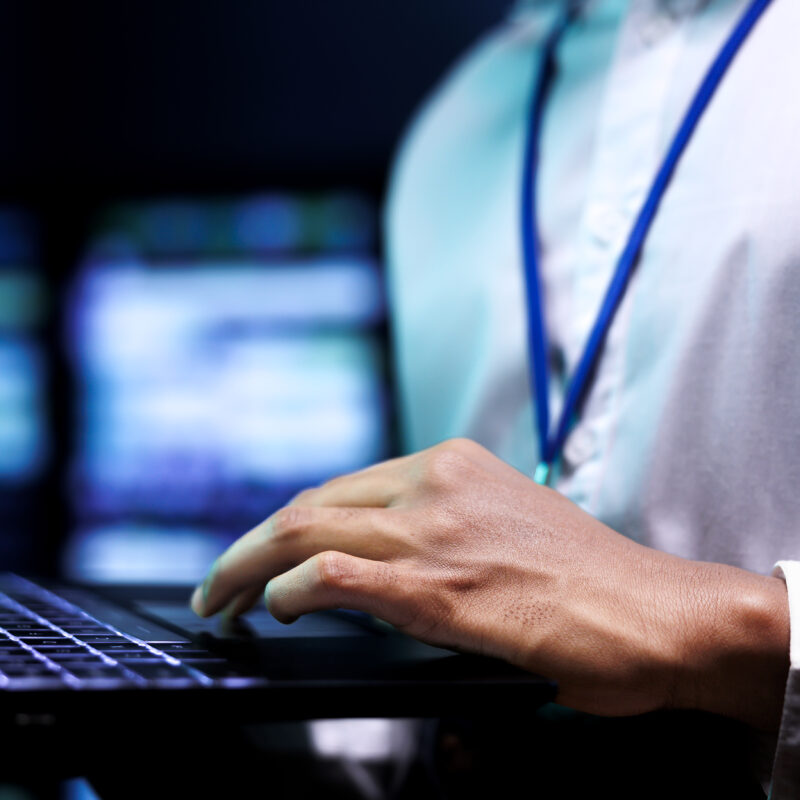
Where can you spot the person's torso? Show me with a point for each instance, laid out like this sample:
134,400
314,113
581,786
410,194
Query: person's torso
689,438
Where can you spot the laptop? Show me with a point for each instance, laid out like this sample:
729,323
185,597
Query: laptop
70,652
224,355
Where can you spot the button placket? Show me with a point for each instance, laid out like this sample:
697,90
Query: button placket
628,144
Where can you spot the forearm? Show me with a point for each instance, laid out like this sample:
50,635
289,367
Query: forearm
736,655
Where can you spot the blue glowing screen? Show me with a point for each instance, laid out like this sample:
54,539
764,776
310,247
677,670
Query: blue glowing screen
227,354
23,445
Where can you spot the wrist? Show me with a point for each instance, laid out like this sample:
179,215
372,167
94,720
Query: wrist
734,658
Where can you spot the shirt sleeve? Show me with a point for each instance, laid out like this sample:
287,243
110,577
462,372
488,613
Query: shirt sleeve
786,767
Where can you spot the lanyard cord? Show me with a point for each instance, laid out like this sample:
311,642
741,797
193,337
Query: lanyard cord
550,447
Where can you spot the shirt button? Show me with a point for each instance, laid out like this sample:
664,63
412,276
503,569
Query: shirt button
633,199
605,225
655,29
580,446
683,8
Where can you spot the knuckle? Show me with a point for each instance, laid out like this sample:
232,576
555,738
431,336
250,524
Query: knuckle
289,521
335,570
336,480
445,465
463,445
304,498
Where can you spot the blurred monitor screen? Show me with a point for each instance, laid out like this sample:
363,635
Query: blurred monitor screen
22,429
227,355
24,434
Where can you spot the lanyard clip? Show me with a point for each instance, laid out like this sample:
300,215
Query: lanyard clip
542,473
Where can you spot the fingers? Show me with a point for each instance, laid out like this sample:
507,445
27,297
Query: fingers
337,580
243,602
358,514
379,486
385,484
289,537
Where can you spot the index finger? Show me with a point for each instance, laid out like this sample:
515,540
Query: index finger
286,539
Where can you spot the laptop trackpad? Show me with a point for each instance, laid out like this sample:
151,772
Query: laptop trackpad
259,623
325,645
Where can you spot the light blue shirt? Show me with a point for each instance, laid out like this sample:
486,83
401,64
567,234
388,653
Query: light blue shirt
689,440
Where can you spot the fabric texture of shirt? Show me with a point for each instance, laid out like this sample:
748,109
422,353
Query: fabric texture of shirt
689,436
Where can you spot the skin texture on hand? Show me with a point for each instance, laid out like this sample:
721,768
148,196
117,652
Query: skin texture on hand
455,547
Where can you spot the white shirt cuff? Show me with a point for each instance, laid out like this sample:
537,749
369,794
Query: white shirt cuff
786,767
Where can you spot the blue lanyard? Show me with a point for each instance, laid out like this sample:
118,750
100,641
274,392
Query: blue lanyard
537,339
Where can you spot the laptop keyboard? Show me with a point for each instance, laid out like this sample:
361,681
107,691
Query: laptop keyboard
46,642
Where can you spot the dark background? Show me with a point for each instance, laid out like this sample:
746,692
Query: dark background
184,94
107,101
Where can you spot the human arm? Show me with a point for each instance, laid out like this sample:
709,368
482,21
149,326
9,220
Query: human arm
455,547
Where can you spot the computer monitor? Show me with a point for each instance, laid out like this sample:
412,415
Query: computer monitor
24,436
22,428
227,354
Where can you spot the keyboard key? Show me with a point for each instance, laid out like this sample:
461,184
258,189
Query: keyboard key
220,669
24,669
133,655
160,670
23,657
122,644
27,630
140,655
48,651
85,628
102,641
27,683
91,671
186,655
84,655
46,641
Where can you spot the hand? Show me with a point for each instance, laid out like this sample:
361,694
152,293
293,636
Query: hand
456,548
